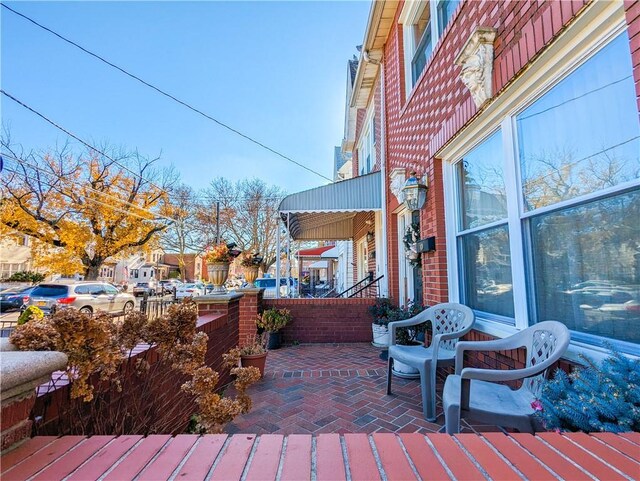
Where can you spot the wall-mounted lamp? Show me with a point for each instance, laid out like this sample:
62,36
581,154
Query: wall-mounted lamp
414,192
370,236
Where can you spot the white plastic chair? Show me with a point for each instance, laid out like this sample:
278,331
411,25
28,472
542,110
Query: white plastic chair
474,393
449,322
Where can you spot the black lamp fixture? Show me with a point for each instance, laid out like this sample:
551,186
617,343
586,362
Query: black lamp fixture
370,236
414,192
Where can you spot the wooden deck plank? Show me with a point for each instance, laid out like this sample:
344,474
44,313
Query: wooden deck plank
619,443
170,458
521,459
202,458
329,459
234,457
487,458
105,458
610,456
296,465
136,460
550,458
362,463
30,466
633,437
70,461
581,457
423,458
22,452
394,461
457,461
266,458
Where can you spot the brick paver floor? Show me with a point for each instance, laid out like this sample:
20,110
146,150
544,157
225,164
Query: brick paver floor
334,388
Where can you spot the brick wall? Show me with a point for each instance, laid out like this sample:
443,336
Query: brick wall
632,9
421,122
158,393
250,305
325,320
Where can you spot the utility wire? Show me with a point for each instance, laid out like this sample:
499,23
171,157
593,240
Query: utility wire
168,95
90,199
84,186
86,144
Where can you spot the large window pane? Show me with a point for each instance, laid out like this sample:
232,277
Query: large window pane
583,135
481,181
586,265
486,271
445,11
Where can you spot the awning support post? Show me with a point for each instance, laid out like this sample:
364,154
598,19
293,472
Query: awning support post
278,259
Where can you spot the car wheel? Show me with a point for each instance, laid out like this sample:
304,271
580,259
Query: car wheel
128,307
86,310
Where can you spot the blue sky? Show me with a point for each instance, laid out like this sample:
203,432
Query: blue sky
274,70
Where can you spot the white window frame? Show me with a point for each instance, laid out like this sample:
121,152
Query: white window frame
592,30
367,143
408,18
363,259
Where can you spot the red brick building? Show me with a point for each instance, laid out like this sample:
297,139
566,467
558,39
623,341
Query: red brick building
522,120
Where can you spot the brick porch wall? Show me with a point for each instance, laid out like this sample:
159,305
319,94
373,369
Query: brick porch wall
325,320
165,398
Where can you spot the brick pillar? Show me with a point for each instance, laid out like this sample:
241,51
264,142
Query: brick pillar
21,373
250,306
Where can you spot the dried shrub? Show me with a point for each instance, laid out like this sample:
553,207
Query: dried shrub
97,346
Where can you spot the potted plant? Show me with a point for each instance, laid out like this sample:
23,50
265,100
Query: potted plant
380,312
254,353
250,263
218,259
407,336
271,321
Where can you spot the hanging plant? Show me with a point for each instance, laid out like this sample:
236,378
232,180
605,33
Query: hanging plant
410,240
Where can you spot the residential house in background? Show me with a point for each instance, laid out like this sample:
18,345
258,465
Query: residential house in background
15,255
522,119
193,266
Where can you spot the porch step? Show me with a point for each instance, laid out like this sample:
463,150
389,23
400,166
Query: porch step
327,457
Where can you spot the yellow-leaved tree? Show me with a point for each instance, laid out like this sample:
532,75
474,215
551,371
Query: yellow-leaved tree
80,210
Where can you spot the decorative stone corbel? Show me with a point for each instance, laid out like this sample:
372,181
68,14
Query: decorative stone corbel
476,59
397,178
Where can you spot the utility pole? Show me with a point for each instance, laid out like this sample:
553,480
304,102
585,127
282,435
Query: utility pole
217,222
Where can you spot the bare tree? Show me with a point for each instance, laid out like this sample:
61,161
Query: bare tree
185,235
248,215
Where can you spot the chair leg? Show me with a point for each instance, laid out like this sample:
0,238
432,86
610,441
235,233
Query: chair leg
389,374
452,419
428,408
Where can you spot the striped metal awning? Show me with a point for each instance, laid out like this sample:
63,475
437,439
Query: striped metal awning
327,212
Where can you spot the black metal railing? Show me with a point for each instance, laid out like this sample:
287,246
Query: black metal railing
363,287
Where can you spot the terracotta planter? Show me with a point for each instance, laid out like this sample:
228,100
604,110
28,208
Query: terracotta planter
255,360
251,274
218,274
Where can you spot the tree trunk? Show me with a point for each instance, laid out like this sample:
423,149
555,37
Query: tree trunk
91,272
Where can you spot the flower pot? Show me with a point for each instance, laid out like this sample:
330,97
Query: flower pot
380,335
255,360
404,371
218,273
275,340
251,274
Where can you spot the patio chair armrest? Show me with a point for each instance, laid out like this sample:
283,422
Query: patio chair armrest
495,345
499,375
392,326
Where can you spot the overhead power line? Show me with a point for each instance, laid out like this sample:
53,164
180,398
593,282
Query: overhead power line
86,144
107,195
168,95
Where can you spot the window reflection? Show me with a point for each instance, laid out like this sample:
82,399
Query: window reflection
583,135
586,264
482,188
486,272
